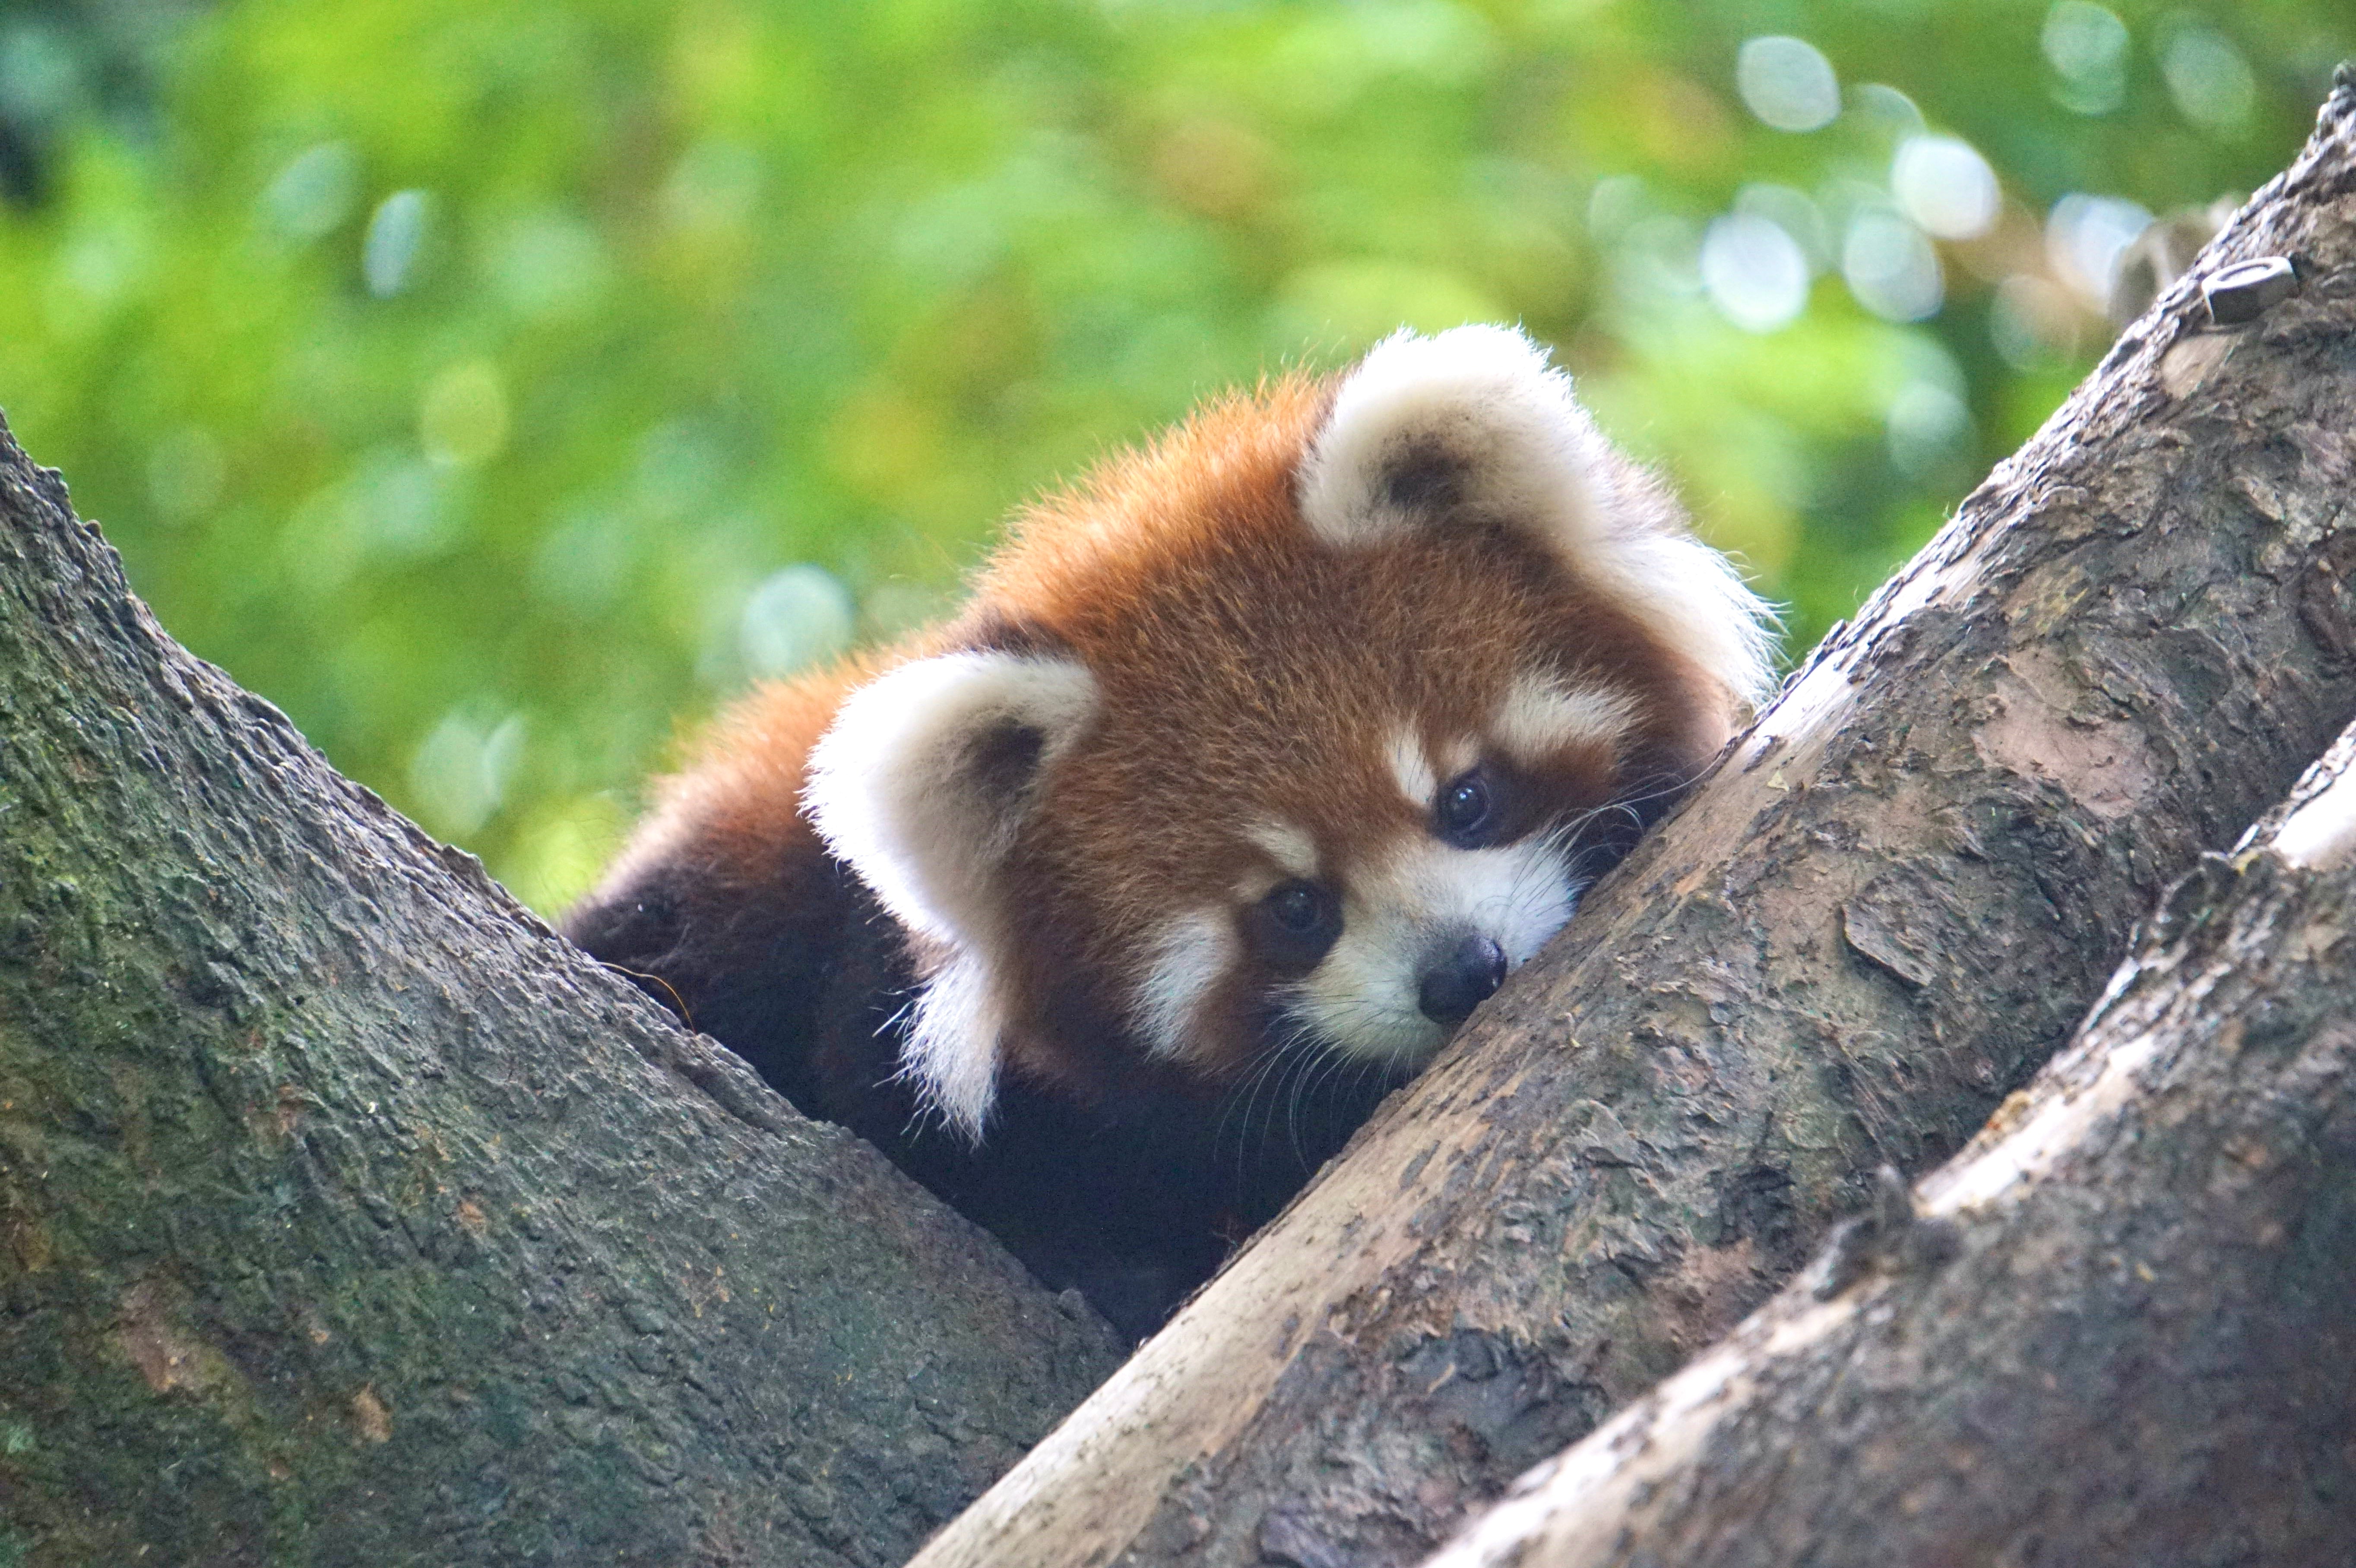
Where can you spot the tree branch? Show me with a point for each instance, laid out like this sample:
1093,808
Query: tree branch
1880,916
2140,1350
347,1214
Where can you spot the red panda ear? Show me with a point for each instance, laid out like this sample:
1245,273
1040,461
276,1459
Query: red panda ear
921,786
1475,423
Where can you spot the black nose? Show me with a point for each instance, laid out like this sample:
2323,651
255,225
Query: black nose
1458,977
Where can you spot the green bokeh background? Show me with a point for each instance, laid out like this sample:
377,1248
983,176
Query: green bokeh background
500,386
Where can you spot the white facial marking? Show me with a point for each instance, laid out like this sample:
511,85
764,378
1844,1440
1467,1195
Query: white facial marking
1189,957
1286,845
1365,998
1412,769
1541,715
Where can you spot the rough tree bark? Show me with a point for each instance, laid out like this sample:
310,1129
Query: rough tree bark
2119,1327
348,1215
1883,913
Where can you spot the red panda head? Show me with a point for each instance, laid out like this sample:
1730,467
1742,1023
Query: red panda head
1307,723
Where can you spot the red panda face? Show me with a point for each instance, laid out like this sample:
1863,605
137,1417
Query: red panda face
1385,789
1308,724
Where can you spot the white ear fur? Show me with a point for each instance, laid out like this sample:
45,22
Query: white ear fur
1472,420
1475,422
951,1048
920,786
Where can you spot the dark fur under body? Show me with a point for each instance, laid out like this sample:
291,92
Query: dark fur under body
1133,1202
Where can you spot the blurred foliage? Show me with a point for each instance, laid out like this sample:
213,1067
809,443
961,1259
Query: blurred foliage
498,384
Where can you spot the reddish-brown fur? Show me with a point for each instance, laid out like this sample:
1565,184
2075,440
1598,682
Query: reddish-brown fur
1246,670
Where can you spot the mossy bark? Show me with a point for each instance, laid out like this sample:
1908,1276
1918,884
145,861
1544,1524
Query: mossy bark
348,1215
2120,1327
1882,914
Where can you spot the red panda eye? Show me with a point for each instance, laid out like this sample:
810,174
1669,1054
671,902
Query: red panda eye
1466,812
1296,906
1294,925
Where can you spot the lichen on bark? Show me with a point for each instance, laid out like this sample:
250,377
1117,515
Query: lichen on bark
349,1215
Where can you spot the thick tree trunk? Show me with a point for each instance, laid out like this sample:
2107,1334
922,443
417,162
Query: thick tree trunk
348,1215
2120,1327
1883,913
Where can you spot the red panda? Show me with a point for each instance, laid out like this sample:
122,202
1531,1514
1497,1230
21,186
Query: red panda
1252,765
